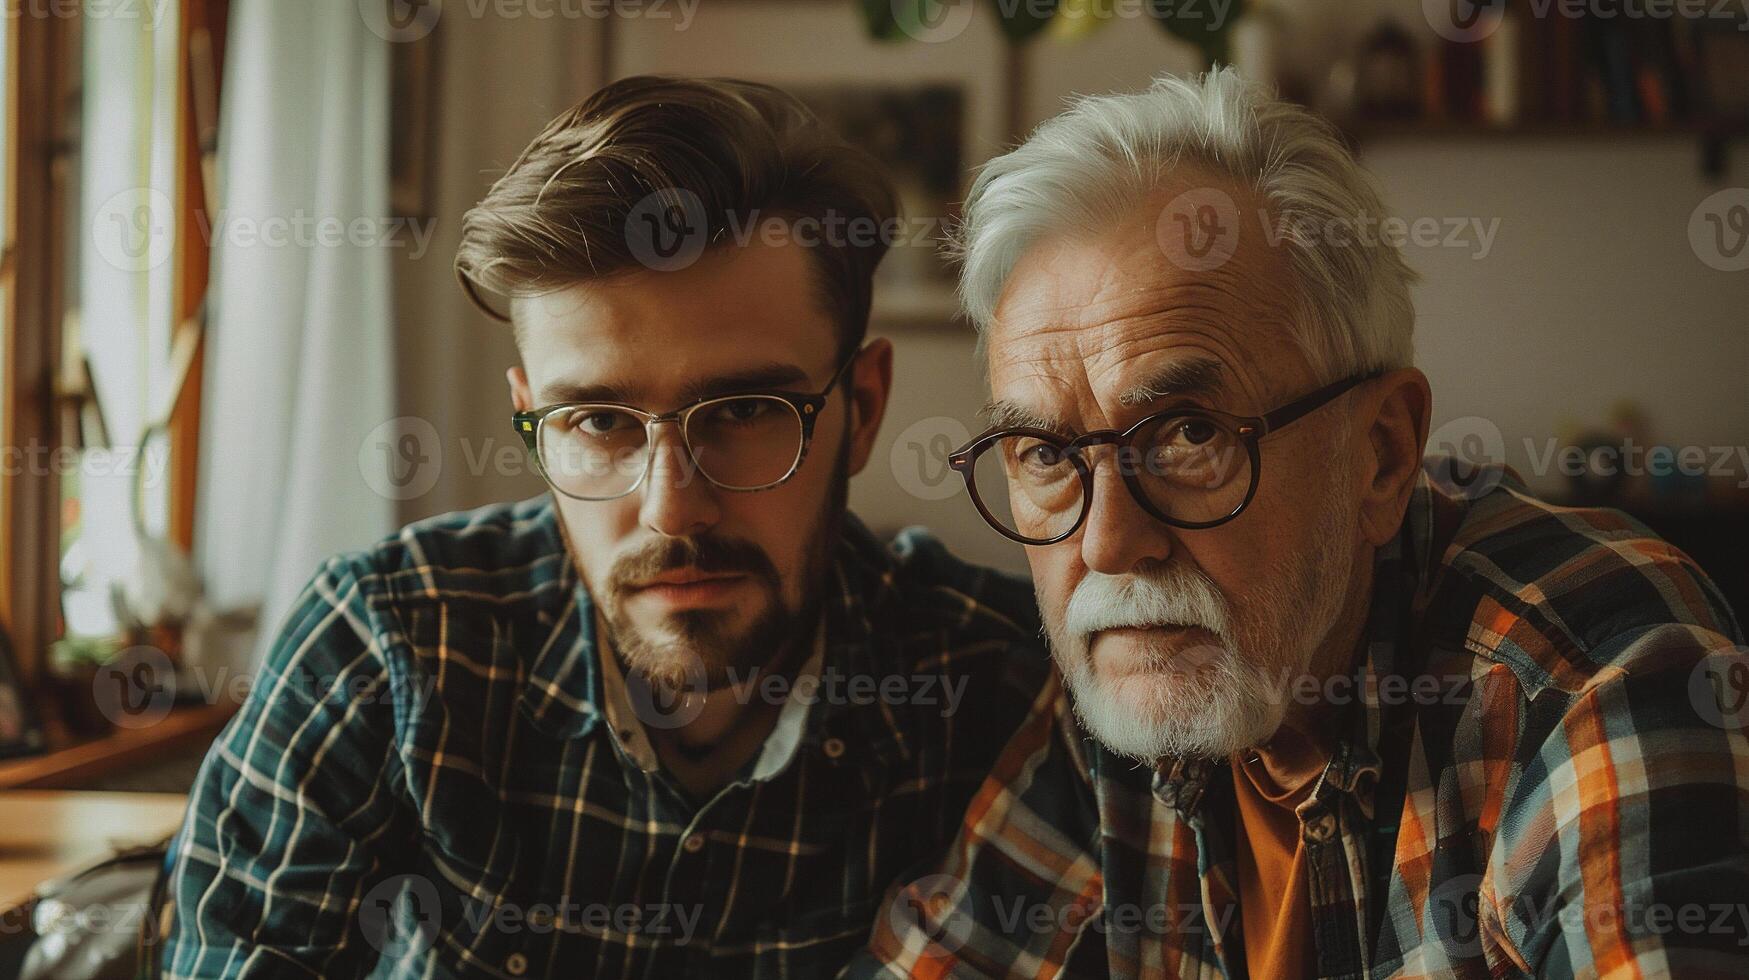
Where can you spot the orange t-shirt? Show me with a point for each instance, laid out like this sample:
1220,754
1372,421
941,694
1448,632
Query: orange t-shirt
1275,902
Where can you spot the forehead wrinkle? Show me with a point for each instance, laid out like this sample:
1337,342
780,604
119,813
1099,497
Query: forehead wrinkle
1049,375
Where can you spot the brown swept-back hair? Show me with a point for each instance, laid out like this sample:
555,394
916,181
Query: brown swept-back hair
749,152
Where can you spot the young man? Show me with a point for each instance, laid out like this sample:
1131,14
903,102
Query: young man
684,716
1351,716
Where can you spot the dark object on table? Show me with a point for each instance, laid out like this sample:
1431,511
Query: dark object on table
1597,483
104,923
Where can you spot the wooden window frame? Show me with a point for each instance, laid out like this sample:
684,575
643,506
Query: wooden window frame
37,93
39,88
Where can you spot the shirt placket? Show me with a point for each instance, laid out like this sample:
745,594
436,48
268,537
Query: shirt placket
1187,785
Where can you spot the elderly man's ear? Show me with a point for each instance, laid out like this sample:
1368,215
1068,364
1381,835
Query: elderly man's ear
1393,411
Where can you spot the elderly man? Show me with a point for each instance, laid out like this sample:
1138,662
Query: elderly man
1351,714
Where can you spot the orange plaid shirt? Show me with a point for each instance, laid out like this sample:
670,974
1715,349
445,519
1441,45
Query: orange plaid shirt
1547,774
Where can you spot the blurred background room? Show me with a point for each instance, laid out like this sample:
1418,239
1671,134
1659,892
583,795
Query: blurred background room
234,343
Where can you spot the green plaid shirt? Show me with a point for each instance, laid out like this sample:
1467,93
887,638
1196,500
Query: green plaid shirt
425,782
1546,773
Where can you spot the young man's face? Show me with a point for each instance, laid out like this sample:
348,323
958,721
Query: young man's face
689,575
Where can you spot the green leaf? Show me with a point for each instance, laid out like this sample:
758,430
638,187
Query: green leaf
1203,23
882,20
1077,19
1022,19
936,20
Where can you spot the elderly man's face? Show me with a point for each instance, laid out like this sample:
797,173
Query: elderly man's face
1179,641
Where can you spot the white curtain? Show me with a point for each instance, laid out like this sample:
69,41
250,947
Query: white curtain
298,364
121,313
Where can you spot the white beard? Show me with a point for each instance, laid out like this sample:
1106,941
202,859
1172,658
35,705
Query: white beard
1210,700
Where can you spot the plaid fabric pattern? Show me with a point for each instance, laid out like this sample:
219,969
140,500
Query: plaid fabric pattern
423,782
1547,774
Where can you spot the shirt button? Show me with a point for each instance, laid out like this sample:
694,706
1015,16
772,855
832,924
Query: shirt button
516,965
833,747
693,844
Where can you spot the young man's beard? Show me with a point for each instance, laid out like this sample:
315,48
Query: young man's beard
698,649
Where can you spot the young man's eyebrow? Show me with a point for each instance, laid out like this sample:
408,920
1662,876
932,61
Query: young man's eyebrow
1195,378
559,392
765,376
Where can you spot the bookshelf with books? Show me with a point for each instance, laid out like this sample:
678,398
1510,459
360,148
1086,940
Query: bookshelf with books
1544,70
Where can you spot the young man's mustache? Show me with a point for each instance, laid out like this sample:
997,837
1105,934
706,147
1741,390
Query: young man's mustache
710,554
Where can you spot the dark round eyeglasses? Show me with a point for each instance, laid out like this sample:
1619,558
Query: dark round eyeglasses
747,441
1188,467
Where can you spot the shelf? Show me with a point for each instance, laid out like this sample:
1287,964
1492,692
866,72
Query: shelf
1712,135
69,766
1448,129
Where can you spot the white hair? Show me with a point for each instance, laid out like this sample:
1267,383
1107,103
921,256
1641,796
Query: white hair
1087,169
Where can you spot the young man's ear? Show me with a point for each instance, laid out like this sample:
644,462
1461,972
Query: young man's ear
1398,407
519,394
870,381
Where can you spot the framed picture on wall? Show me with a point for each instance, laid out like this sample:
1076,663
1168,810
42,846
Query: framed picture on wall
20,731
1723,51
413,74
915,134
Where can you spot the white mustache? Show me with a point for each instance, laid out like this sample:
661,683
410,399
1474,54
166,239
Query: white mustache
1176,595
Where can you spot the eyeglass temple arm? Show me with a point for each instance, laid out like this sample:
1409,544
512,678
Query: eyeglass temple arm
1304,406
838,375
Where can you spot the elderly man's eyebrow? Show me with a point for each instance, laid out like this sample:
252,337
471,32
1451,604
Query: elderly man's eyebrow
1004,414
1195,378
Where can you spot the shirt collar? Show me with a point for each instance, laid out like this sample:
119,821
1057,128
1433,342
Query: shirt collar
634,739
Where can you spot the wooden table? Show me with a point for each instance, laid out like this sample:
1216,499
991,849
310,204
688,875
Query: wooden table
70,763
48,833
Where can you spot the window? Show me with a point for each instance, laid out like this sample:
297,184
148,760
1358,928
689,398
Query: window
109,128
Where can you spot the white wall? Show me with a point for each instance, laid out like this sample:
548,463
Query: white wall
1590,294
501,80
